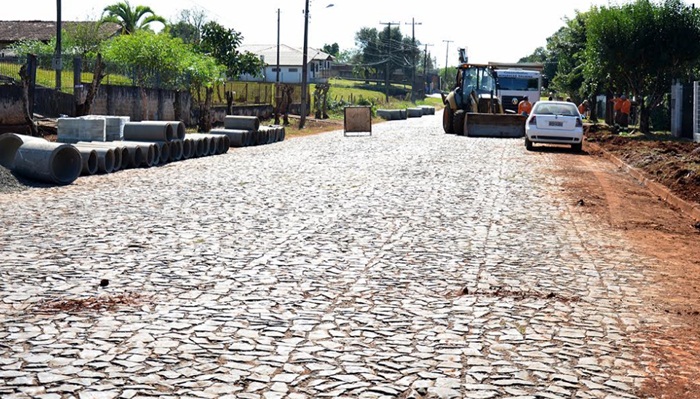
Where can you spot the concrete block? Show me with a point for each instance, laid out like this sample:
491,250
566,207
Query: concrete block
72,130
114,125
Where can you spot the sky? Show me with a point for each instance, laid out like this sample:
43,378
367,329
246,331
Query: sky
490,30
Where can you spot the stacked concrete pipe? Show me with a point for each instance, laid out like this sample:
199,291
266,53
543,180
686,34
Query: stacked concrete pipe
105,157
176,150
188,148
220,142
37,159
237,137
241,122
148,152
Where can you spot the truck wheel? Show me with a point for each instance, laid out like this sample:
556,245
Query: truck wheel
458,122
447,118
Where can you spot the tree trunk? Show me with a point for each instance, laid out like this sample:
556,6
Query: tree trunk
229,102
24,75
205,112
177,105
644,117
594,108
98,75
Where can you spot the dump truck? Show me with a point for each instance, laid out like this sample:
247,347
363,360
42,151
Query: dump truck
473,108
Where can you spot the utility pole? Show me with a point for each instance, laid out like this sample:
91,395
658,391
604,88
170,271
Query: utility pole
57,58
304,68
278,95
425,65
447,53
388,59
413,58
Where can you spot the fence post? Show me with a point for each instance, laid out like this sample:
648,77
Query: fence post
31,70
77,79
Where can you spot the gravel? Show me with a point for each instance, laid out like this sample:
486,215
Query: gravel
9,182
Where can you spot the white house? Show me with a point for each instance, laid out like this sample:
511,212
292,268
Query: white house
291,61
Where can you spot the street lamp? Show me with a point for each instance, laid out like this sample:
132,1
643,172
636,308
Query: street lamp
304,65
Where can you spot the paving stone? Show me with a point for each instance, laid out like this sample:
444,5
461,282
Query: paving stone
324,266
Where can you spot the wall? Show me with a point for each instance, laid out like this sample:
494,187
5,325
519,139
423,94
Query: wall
140,104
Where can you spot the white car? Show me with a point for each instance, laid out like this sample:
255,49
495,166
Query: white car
554,122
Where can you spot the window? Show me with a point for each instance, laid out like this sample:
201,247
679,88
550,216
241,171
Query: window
293,69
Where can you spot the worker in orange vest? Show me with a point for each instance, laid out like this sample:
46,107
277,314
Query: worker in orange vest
625,108
524,107
583,108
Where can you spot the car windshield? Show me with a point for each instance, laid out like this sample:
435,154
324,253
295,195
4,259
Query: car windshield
555,109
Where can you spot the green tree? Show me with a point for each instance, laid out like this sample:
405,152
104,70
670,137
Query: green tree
188,26
641,47
332,49
222,44
567,58
131,19
369,58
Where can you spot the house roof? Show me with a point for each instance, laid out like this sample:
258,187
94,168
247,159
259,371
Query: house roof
13,31
289,56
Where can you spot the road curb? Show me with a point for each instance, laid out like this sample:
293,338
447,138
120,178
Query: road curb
647,181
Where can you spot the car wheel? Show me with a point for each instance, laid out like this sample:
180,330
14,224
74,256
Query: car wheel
528,144
447,117
577,147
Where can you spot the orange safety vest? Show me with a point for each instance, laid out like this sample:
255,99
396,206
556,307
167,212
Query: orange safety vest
525,107
618,104
626,106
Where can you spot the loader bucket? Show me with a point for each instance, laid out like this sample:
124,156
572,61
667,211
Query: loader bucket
494,125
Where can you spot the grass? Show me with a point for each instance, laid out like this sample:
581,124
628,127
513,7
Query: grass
47,77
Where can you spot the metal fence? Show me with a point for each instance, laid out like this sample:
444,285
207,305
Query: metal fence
76,68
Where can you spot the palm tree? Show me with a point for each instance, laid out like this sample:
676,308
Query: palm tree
130,18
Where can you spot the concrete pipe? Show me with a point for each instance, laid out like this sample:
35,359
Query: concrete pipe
384,114
249,138
149,131
207,144
105,157
403,114
48,162
199,148
241,122
10,142
150,151
121,154
179,129
414,112
187,148
163,151
236,136
226,145
220,142
427,109
176,150
283,133
89,156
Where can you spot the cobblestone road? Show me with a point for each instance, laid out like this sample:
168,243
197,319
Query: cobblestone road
407,263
